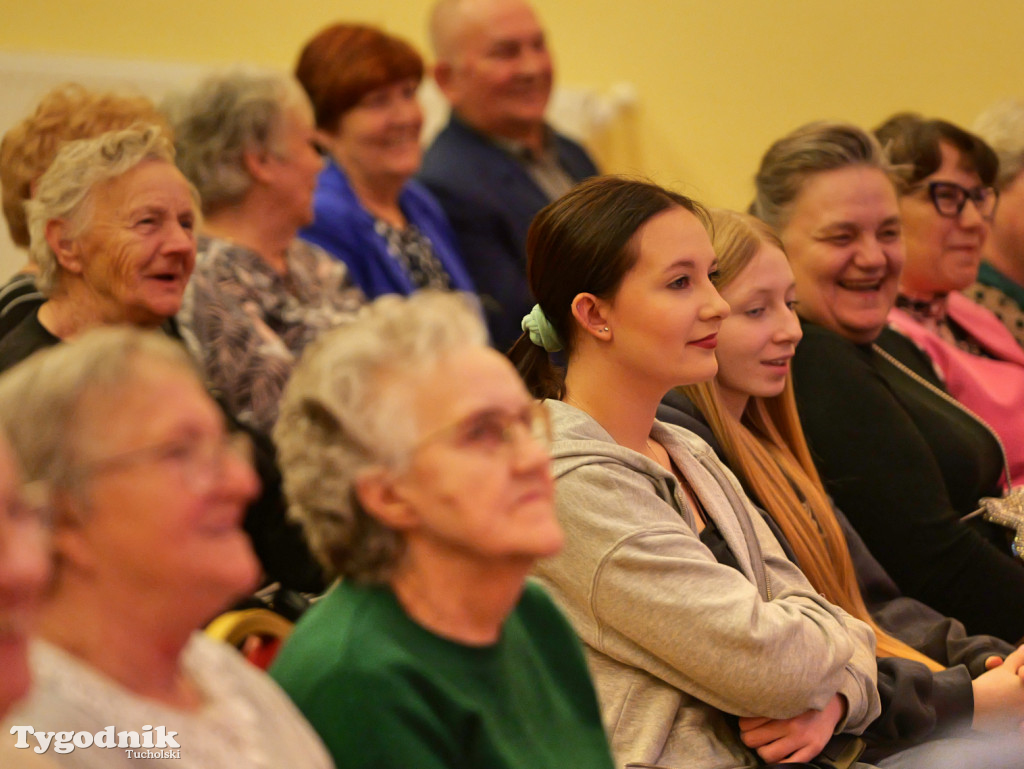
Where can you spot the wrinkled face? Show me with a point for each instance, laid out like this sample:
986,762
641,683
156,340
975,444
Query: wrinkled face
138,248
294,165
943,253
24,569
759,338
1008,225
665,317
844,245
474,495
161,498
500,78
380,136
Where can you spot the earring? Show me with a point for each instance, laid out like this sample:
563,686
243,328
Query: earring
604,330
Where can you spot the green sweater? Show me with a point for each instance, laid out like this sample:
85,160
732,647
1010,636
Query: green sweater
383,692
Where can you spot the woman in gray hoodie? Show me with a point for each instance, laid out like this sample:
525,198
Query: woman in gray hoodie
689,611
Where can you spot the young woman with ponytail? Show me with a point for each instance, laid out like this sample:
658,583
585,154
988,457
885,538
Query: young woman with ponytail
690,612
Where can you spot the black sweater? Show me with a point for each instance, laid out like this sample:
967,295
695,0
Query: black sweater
904,465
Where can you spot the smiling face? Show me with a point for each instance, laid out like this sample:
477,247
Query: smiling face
138,247
379,137
666,314
499,80
184,550
473,498
759,338
844,245
24,568
943,253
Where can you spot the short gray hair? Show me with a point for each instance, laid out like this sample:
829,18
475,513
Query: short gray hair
65,189
42,399
222,118
346,408
1002,126
803,153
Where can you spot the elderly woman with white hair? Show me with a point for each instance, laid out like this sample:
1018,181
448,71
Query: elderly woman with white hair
147,503
259,295
112,228
1000,283
418,465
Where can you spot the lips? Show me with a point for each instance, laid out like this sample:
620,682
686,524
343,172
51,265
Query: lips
862,285
708,342
783,361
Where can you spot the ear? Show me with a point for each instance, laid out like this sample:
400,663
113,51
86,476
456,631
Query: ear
380,494
443,76
71,546
592,315
58,237
258,165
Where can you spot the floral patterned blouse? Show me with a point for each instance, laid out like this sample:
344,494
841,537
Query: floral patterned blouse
247,324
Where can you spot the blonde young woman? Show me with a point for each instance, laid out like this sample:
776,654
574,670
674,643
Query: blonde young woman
681,638
752,412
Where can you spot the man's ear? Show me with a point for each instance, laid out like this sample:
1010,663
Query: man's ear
58,237
444,77
380,494
591,314
71,545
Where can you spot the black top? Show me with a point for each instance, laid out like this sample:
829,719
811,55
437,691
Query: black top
18,298
904,465
27,337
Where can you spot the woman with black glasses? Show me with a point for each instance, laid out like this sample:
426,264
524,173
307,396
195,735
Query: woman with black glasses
947,203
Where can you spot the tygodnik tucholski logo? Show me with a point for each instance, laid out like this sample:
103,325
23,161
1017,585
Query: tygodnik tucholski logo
151,742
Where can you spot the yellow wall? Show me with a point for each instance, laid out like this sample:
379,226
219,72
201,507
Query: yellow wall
717,80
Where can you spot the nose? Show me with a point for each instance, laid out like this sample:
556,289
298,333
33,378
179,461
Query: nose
789,330
24,562
713,305
529,453
970,217
239,480
871,255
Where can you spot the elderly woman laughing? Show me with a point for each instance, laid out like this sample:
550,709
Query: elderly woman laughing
112,232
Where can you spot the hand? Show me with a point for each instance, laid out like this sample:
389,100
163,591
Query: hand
800,738
999,694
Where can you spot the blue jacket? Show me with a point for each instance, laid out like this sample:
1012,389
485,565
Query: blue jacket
345,229
490,200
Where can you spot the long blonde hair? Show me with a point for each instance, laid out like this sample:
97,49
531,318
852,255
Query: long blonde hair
768,452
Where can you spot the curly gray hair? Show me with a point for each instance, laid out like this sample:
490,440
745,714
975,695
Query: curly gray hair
225,116
805,152
1002,126
346,408
65,189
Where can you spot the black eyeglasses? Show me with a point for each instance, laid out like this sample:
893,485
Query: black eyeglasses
949,199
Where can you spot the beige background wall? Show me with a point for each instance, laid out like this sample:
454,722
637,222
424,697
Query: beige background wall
716,80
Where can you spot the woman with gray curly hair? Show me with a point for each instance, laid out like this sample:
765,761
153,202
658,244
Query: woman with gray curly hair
112,233
147,503
259,295
417,463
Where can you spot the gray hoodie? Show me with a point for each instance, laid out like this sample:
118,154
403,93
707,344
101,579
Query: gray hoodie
675,640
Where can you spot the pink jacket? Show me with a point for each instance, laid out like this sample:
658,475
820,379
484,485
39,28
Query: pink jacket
993,388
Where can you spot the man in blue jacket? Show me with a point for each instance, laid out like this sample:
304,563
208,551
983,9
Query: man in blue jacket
497,162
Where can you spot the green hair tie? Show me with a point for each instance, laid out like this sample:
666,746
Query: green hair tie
541,332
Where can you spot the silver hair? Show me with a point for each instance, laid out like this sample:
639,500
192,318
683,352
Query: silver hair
1002,127
44,399
347,408
225,116
809,150
65,189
